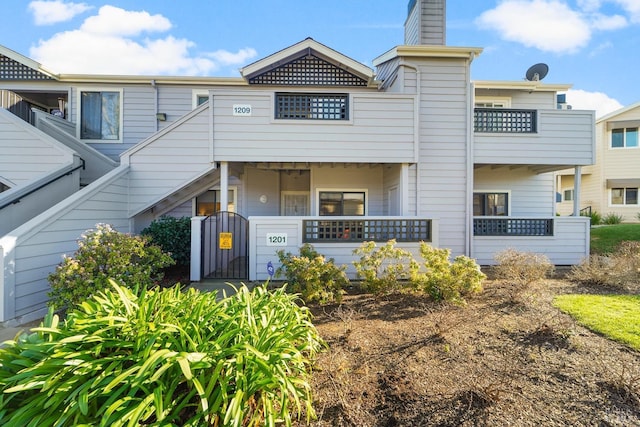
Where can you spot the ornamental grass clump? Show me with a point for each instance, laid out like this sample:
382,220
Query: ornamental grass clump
163,358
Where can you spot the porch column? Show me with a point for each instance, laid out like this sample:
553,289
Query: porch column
577,180
404,189
195,272
224,186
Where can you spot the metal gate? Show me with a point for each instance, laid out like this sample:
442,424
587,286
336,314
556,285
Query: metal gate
225,246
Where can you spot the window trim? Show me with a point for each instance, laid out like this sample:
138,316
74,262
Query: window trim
347,120
234,188
195,94
491,191
78,114
624,139
624,198
342,190
504,100
564,193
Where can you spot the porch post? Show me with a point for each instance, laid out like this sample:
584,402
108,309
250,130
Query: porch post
577,181
195,270
404,189
224,186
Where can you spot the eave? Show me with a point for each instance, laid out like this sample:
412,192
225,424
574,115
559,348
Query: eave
428,51
524,85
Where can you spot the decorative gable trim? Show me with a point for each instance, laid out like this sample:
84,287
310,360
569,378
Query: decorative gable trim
308,63
14,66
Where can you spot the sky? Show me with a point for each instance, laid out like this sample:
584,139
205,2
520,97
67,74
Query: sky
591,44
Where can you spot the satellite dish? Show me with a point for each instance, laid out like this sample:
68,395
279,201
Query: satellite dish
537,72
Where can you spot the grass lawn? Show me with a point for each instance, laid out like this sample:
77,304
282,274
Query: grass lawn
604,239
615,316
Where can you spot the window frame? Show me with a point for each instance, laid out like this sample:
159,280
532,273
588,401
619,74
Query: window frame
196,94
100,89
624,197
492,102
341,190
234,202
624,132
507,193
570,191
307,120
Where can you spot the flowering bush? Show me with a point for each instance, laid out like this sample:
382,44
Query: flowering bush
312,276
383,268
102,254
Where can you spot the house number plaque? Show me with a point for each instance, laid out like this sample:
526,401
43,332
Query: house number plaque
241,109
276,239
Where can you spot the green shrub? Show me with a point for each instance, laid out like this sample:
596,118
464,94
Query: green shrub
612,218
447,281
522,268
105,253
312,276
173,235
620,269
382,269
596,218
164,358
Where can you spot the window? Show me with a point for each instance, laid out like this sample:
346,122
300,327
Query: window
100,115
624,138
624,196
490,204
568,195
316,106
3,187
208,203
492,102
342,203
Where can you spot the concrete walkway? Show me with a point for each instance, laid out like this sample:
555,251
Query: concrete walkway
222,287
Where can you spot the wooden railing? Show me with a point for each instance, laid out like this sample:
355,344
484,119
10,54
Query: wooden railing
512,227
381,230
504,120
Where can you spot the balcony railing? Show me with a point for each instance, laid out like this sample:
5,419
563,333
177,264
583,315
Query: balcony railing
381,230
512,227
504,120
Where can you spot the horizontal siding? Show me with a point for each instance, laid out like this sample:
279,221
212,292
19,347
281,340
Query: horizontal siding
41,244
563,137
381,129
568,246
25,156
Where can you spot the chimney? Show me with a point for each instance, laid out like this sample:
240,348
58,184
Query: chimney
425,23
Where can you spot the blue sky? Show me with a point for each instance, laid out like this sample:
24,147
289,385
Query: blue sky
589,43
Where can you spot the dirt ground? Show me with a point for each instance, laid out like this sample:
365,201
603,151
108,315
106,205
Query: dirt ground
504,359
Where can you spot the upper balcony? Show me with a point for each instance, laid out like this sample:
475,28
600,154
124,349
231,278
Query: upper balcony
543,139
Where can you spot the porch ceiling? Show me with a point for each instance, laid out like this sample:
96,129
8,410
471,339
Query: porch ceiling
538,169
308,165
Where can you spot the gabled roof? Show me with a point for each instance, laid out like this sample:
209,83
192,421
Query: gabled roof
308,63
14,66
618,112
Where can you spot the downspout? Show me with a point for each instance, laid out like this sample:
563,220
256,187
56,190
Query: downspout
416,129
470,161
155,102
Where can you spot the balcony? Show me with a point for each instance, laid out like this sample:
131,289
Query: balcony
550,139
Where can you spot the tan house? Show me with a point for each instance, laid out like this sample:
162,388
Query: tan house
612,184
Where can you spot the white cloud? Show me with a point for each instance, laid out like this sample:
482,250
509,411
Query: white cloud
119,22
598,101
632,7
548,25
52,12
603,22
230,58
117,41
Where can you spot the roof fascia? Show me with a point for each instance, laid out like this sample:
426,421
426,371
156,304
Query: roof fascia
618,112
427,51
525,85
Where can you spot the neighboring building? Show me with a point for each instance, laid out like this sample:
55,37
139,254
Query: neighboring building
306,146
612,184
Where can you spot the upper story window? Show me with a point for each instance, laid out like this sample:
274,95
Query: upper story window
490,204
492,102
100,115
568,195
312,106
624,138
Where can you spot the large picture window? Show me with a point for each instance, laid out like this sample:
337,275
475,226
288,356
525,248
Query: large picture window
311,106
342,203
624,196
624,138
490,204
100,115
208,203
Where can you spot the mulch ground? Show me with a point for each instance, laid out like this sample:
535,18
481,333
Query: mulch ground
505,358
